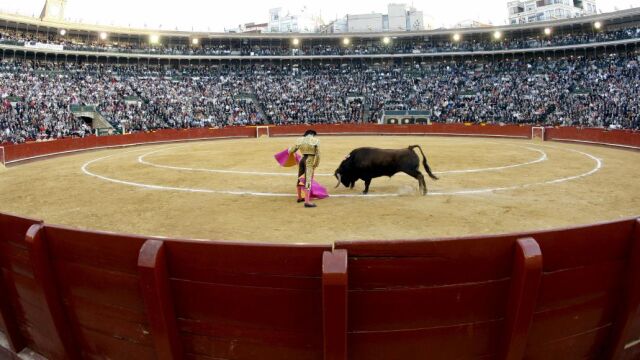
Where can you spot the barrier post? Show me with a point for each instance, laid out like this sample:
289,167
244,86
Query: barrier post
334,304
154,282
44,276
12,329
523,294
630,302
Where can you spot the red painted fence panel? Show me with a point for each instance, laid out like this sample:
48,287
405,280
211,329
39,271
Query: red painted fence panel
482,298
27,321
242,301
403,282
97,278
611,137
19,152
36,149
434,129
429,299
13,260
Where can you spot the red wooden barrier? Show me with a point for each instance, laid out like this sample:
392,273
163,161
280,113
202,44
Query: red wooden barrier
581,285
630,304
37,149
438,299
334,304
43,271
154,281
28,307
12,248
243,301
33,150
523,295
609,137
434,129
443,299
98,279
15,153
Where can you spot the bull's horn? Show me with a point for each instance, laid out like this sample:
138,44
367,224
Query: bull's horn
339,179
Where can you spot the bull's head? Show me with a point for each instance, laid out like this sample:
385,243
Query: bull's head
342,179
343,173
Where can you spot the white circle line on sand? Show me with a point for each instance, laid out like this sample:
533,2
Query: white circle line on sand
141,160
596,168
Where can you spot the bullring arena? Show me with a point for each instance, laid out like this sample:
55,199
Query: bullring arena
143,214
487,185
330,291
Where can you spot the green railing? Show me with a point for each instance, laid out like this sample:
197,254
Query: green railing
407,112
82,108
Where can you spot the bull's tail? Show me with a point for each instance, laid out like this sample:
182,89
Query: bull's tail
424,161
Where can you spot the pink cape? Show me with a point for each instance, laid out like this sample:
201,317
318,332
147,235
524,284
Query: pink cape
287,160
317,191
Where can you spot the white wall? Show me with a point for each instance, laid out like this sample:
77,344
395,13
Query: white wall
365,22
397,17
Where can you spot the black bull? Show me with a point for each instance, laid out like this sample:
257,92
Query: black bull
368,163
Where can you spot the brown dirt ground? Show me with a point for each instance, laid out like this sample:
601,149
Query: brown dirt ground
57,191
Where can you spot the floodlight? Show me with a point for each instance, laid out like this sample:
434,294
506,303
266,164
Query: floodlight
295,42
386,40
597,25
547,31
63,32
195,41
456,37
497,35
103,36
346,41
154,38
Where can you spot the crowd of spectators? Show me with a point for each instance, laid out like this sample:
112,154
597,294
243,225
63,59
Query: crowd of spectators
37,97
418,45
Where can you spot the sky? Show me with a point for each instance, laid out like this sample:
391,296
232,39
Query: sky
211,15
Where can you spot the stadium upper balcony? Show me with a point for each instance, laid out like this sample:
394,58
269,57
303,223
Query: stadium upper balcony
25,35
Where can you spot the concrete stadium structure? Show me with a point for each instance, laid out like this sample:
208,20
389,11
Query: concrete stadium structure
561,294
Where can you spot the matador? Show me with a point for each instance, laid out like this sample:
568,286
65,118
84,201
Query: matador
309,147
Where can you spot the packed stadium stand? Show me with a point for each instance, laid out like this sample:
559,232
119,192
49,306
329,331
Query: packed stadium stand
568,72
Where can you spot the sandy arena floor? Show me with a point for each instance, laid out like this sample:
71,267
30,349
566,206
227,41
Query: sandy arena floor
234,190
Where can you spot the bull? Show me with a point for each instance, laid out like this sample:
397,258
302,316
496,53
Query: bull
368,163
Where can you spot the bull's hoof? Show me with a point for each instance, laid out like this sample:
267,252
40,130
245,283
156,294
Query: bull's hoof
365,192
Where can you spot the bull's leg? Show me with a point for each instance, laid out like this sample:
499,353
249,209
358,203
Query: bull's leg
367,182
421,183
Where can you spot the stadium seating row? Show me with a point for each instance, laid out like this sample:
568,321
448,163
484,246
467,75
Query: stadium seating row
318,47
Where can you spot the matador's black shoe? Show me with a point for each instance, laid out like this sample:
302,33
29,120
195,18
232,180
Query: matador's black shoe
300,200
310,205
